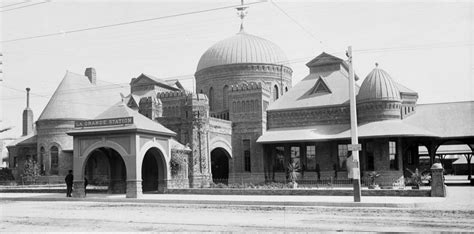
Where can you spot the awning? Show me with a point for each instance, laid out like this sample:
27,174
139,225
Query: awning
342,131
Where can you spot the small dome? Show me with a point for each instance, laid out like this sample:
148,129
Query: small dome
242,48
378,86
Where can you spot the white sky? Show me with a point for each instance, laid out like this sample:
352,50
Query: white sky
426,46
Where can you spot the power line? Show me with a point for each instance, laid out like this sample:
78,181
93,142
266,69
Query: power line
34,4
296,22
127,23
14,4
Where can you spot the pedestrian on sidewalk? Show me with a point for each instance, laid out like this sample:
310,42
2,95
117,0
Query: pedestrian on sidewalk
69,179
85,185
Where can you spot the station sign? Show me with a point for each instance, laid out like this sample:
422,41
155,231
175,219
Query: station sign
103,122
354,147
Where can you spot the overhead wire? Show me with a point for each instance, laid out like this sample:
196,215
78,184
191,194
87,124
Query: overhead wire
127,23
20,7
14,4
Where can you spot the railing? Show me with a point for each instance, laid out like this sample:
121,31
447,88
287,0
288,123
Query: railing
328,182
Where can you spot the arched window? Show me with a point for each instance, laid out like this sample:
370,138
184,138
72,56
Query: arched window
286,89
211,99
275,92
225,98
54,152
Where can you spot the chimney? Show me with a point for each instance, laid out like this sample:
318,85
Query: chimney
27,116
90,73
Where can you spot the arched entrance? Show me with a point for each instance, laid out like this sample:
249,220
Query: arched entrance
220,165
153,171
105,167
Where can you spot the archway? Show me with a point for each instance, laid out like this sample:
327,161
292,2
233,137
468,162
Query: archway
153,171
105,167
220,165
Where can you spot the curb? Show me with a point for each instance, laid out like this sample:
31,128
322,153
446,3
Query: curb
226,202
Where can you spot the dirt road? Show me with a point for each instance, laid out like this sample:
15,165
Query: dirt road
103,216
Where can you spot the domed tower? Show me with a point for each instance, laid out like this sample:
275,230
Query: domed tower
378,98
242,58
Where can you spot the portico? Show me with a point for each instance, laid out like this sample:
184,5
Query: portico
123,149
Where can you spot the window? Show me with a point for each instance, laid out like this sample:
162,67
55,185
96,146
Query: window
15,162
211,99
295,154
342,155
392,148
410,157
246,146
275,93
279,159
311,157
54,160
225,97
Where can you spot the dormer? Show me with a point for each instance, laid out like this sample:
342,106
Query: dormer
327,63
320,87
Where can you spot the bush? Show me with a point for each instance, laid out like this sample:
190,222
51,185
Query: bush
6,175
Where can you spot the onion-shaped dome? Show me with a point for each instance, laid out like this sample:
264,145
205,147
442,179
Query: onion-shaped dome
242,48
378,86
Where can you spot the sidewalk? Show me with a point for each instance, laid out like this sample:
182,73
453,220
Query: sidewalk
336,201
459,198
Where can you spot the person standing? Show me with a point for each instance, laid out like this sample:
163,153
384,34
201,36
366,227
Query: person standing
85,185
69,179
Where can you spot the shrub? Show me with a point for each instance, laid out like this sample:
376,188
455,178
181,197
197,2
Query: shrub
6,175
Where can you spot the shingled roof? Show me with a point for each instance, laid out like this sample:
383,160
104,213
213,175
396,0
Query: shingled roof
77,98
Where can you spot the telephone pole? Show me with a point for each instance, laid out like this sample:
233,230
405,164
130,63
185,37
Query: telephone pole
354,146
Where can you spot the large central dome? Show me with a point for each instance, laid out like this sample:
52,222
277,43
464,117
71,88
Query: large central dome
242,48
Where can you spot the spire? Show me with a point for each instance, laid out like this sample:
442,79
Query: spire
242,12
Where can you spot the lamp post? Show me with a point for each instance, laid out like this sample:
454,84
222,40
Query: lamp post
354,146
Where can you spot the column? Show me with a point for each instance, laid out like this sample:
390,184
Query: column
438,189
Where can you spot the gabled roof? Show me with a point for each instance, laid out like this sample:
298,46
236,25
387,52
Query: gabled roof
454,119
175,83
300,96
140,122
145,78
24,140
324,59
77,98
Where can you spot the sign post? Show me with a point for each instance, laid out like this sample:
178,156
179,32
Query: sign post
355,147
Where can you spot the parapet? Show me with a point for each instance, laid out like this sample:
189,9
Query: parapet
248,86
173,94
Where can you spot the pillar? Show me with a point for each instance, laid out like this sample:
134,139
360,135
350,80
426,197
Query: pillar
78,189
134,189
438,189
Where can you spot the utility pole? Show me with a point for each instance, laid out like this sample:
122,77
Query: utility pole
354,146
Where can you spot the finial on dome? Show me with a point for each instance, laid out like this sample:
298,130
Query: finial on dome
242,12
376,65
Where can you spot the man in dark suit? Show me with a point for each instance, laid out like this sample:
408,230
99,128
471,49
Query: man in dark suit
69,179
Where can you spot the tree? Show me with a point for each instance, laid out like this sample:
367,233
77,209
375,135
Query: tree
31,171
468,159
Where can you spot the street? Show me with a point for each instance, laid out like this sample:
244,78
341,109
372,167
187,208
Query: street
42,216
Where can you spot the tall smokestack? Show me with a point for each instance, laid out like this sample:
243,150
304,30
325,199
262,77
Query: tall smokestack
27,116
90,73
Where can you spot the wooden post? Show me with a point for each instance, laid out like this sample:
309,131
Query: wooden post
354,134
